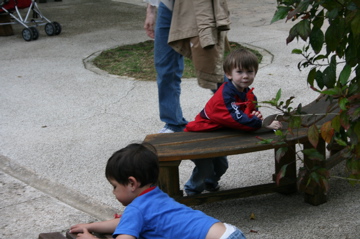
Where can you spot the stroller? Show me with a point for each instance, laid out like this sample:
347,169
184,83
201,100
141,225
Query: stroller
30,31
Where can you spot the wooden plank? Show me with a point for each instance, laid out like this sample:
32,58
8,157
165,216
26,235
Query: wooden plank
98,235
51,235
236,193
194,145
335,159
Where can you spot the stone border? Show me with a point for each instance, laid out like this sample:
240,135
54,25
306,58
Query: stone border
89,65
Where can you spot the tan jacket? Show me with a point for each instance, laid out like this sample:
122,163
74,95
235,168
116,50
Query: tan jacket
198,31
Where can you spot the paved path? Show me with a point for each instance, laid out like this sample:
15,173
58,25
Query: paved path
60,121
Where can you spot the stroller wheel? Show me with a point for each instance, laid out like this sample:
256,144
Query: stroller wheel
57,28
35,33
50,29
27,34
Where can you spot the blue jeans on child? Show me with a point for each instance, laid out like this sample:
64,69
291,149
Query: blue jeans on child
169,67
237,235
206,174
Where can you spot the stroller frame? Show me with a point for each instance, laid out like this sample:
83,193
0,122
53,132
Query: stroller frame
30,31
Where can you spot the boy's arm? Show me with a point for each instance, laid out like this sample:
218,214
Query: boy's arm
105,227
233,117
125,237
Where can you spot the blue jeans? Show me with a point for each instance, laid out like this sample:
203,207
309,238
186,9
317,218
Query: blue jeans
206,174
237,235
169,67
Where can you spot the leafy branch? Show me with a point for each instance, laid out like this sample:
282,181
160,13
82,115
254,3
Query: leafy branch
331,32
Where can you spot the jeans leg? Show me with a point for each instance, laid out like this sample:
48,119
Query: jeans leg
169,67
238,234
220,166
204,168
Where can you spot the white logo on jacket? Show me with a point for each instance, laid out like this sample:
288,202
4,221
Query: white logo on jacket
236,108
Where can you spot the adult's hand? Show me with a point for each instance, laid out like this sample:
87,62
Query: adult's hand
150,21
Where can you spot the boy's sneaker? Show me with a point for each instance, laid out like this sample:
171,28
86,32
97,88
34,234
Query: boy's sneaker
166,130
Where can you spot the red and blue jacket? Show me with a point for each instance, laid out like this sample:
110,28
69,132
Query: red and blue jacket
227,108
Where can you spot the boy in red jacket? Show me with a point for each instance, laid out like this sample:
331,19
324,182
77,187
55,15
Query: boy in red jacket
232,106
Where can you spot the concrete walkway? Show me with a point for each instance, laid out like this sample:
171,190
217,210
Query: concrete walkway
60,120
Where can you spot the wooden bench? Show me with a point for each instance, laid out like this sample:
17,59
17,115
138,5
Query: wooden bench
175,147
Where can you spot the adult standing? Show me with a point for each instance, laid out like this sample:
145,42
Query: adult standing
197,30
169,65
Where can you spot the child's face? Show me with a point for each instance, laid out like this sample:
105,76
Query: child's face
241,78
123,193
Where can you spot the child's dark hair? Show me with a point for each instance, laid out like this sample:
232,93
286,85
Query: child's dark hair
241,58
137,160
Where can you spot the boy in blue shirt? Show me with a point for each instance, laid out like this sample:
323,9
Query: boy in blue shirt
150,213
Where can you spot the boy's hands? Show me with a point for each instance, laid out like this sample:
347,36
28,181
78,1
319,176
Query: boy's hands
257,114
275,125
85,235
79,227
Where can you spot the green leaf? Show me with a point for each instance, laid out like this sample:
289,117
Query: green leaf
289,101
280,153
333,91
341,142
319,20
335,123
279,133
303,29
281,174
325,183
313,135
292,34
278,95
301,8
329,74
314,176
332,37
281,13
345,120
355,23
343,103
333,13
266,141
311,76
320,57
296,51
345,74
316,39
295,122
313,154
351,52
319,79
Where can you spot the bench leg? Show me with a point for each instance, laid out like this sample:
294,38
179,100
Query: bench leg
314,193
169,178
290,176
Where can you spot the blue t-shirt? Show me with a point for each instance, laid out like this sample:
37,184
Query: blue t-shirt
155,215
